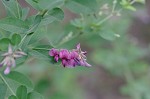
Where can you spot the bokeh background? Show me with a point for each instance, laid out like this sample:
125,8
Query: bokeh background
120,68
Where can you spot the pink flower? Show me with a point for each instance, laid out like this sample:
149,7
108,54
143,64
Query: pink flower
70,59
55,53
64,55
81,60
9,59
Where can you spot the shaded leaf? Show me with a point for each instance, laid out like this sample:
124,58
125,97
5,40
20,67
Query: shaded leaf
4,42
56,13
35,24
3,89
34,95
21,92
12,97
16,38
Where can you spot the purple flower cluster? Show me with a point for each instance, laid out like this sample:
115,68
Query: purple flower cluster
70,59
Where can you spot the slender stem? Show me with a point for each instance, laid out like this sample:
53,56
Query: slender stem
41,49
7,84
18,9
112,12
105,19
20,44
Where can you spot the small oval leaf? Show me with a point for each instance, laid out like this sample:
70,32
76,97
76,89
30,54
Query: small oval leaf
16,39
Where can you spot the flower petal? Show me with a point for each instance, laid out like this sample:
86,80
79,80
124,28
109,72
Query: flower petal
7,70
10,51
64,62
73,54
64,54
78,46
1,65
53,52
56,58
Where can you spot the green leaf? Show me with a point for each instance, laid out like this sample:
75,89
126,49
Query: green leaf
39,55
12,97
34,95
82,6
38,35
34,4
45,4
13,25
130,7
57,13
16,39
49,4
35,24
13,7
107,34
4,42
127,5
3,89
21,92
25,12
19,78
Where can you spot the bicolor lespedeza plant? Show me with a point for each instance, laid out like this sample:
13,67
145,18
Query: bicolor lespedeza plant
23,36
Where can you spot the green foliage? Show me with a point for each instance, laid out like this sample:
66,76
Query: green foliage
127,5
56,14
3,89
4,42
45,4
34,95
15,39
13,7
13,25
82,6
107,34
25,12
12,97
20,78
21,92
37,34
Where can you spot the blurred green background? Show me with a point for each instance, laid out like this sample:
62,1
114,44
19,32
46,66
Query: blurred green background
120,68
